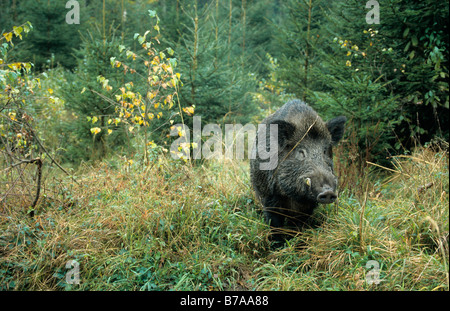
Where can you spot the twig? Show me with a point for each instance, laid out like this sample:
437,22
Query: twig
13,185
6,105
361,219
48,154
22,162
421,189
38,161
387,168
301,139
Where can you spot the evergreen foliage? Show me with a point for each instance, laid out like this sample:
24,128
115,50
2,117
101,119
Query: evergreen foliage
390,78
53,40
213,65
240,59
93,60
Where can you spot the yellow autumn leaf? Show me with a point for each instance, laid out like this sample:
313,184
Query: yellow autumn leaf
8,36
27,66
168,99
189,110
12,116
50,91
169,69
136,101
15,66
17,31
95,130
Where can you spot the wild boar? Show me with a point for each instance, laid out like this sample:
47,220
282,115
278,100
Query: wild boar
303,176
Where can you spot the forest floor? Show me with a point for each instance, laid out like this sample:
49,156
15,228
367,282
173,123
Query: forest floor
173,226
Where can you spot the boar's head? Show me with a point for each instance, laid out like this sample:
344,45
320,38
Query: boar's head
305,170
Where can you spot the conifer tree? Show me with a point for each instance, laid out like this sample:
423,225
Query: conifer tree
82,101
213,75
410,46
53,40
300,37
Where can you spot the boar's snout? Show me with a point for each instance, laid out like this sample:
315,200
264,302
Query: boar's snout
327,195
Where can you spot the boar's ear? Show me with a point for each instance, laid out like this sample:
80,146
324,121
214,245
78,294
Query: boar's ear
285,131
336,128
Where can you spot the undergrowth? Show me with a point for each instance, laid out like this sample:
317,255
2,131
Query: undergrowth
175,226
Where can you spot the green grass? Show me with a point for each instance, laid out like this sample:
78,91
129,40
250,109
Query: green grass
176,227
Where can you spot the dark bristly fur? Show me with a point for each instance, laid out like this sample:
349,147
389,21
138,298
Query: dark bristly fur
304,175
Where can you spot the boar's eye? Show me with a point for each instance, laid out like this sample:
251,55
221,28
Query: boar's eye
301,153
